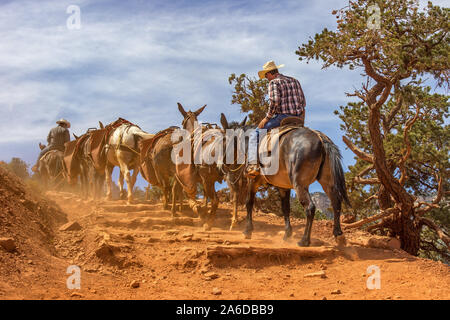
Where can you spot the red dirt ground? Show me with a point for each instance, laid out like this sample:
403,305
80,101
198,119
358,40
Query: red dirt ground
173,259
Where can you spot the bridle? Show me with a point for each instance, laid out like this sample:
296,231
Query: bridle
188,117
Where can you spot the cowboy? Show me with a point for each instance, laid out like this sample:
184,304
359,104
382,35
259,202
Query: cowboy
56,139
286,99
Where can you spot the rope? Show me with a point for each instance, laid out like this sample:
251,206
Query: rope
239,175
181,183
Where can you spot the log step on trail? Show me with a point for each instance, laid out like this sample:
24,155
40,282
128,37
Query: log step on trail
235,253
145,223
128,208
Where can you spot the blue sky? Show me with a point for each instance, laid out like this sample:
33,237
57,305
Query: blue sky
137,59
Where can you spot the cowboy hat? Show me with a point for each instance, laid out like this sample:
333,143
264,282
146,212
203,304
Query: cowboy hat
63,121
269,66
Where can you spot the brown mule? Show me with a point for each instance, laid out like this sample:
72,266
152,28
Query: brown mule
157,167
191,174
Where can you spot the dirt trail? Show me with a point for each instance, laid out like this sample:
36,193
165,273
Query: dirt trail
140,252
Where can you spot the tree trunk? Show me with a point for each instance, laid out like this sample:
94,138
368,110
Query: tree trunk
406,228
409,234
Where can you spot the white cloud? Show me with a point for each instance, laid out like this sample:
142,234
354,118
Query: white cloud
137,59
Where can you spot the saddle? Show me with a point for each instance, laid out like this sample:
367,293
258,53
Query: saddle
50,152
99,138
296,121
287,124
146,147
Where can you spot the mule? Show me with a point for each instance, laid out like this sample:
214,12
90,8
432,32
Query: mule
51,168
122,150
190,175
234,173
79,165
75,166
158,168
304,156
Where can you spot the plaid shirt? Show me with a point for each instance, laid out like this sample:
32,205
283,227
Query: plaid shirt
285,96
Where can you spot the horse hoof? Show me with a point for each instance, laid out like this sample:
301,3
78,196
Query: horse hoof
247,235
303,243
233,224
340,240
206,227
287,235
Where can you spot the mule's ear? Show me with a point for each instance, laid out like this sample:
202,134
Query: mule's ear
180,107
224,122
101,125
243,121
75,136
200,110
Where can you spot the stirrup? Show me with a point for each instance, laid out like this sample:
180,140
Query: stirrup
253,170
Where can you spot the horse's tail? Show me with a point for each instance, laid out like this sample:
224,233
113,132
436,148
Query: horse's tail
334,158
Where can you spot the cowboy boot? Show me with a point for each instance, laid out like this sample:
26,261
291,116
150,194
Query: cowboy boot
35,167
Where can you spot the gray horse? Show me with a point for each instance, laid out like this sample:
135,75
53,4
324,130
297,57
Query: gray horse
304,156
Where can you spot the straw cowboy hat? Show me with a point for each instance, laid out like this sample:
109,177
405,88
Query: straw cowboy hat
64,121
269,66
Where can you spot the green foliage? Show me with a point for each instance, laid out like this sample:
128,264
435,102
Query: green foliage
18,167
297,209
139,194
398,120
153,193
408,42
268,200
431,246
250,94
319,215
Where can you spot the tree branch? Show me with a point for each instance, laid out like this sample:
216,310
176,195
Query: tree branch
398,105
439,192
382,214
372,73
358,152
435,203
441,234
366,181
371,198
405,157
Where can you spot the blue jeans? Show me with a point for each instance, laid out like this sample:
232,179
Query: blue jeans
254,136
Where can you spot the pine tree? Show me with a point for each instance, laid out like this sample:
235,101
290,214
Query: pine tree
397,127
